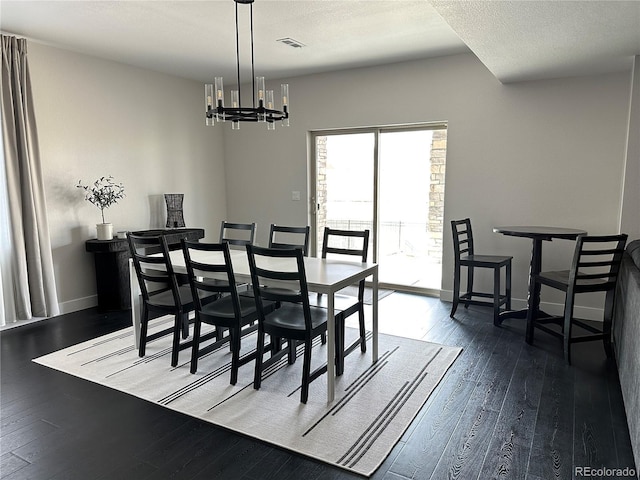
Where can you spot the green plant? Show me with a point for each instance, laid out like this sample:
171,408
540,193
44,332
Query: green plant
103,193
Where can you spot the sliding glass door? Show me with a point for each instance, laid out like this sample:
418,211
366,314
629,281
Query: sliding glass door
391,181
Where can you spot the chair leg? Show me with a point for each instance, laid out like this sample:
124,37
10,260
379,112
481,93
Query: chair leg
276,345
507,285
456,290
496,297
469,285
175,347
363,332
607,322
568,314
185,325
257,376
197,325
291,346
235,353
144,323
306,371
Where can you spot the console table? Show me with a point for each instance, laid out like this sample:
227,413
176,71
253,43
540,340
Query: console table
112,264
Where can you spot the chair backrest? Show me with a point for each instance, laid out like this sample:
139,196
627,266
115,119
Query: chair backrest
596,262
151,260
462,238
281,236
341,242
217,267
238,234
289,276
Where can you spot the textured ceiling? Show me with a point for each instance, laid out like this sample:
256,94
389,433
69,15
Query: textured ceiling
516,40
527,40
197,39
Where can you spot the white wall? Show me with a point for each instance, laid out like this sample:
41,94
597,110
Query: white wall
536,153
630,218
96,118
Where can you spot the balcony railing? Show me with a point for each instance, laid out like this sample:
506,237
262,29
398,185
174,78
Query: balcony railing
410,239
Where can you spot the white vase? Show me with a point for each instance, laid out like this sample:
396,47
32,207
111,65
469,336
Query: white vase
105,231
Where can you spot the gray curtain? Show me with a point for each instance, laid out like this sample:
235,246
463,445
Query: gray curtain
34,287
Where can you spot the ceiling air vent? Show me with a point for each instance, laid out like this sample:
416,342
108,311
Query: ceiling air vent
291,42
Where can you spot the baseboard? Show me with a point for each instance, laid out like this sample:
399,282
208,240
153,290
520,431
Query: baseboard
587,313
65,307
78,304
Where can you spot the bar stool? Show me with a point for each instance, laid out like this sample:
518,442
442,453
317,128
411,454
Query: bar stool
465,256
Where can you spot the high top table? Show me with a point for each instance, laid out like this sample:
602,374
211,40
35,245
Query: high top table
326,276
537,235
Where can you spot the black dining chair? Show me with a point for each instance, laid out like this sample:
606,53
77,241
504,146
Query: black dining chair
465,256
338,243
237,234
160,292
595,268
281,236
295,320
229,312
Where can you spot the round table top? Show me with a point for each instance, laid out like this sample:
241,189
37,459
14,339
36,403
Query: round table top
531,231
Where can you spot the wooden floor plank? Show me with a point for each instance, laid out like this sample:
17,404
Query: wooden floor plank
10,464
551,454
464,454
508,452
594,443
442,411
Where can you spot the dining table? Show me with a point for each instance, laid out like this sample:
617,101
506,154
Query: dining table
537,234
324,276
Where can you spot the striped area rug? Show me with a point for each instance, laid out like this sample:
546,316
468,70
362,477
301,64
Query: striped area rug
374,405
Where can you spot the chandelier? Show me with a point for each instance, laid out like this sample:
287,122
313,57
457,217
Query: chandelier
263,106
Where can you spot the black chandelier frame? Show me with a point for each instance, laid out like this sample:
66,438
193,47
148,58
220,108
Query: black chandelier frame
255,113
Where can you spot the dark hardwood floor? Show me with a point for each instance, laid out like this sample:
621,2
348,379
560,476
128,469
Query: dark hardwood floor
504,410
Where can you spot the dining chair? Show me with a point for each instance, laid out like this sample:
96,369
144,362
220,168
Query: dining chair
237,234
229,312
338,243
281,236
465,256
594,268
160,292
295,320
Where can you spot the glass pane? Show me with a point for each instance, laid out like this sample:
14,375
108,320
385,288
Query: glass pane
345,183
411,206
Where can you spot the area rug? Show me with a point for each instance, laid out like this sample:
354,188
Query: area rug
374,404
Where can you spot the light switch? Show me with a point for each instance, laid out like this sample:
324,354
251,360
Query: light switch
295,195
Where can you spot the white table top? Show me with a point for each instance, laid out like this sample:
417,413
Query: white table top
323,275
